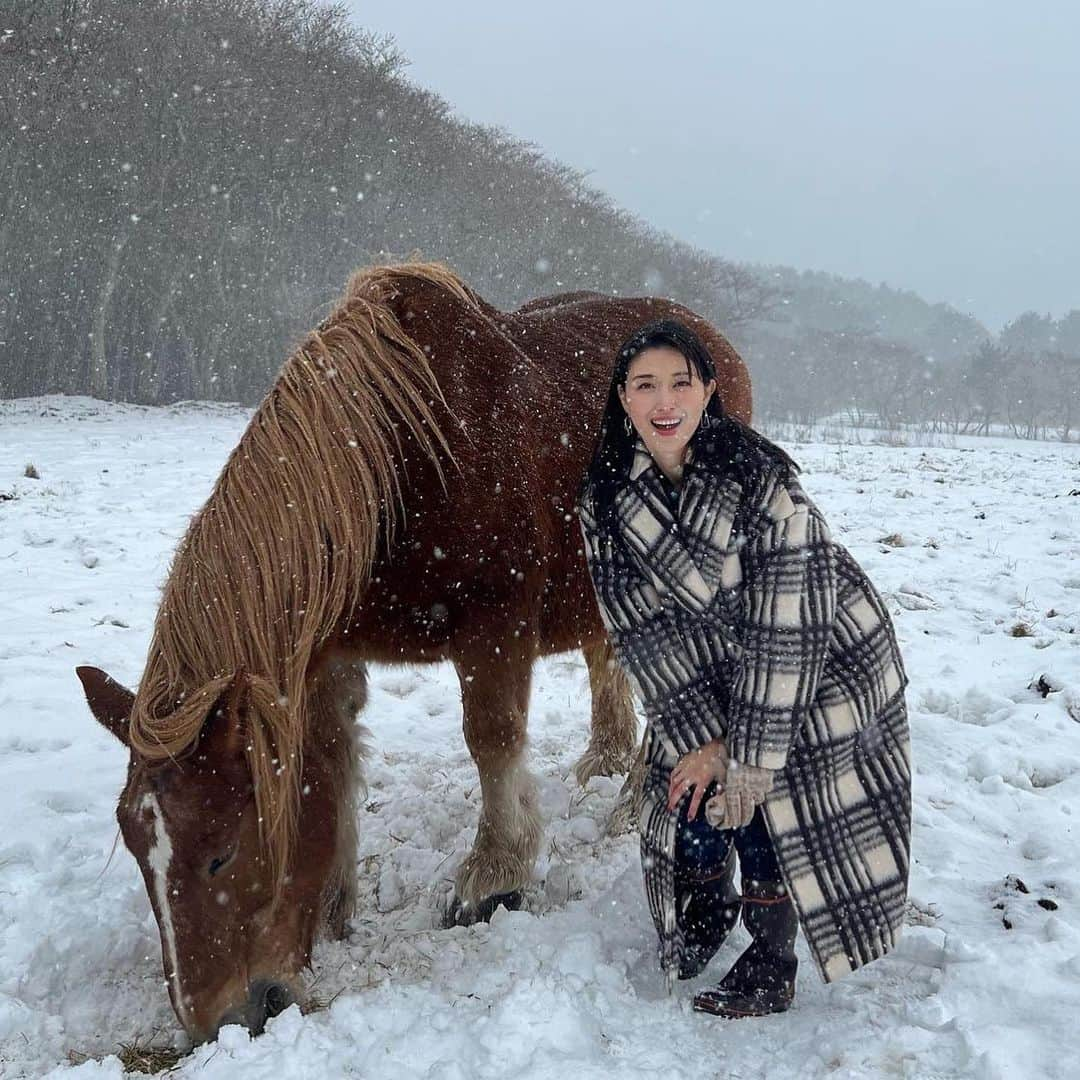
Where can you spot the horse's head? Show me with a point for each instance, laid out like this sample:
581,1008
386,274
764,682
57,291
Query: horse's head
234,936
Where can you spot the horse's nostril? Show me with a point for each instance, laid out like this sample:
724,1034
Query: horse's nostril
265,1000
276,1000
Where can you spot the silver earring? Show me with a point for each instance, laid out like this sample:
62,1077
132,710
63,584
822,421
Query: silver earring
627,426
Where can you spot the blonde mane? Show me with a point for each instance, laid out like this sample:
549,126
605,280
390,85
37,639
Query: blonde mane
284,546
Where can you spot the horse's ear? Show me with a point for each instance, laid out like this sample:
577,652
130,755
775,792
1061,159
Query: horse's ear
109,701
223,735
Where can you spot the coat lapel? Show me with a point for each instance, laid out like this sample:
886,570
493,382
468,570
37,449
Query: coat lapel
653,533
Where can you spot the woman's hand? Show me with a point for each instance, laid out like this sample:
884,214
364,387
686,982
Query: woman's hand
695,772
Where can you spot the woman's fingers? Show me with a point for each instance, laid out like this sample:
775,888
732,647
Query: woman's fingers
678,788
675,792
695,801
695,771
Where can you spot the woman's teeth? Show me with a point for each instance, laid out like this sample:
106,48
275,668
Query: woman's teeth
666,425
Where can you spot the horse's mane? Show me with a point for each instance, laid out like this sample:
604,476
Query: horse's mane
285,544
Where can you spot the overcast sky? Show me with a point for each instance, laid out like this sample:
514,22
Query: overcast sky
931,145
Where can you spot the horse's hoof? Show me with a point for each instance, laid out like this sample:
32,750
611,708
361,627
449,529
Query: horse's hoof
460,913
611,762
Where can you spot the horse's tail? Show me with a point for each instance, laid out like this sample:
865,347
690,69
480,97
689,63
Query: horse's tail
284,547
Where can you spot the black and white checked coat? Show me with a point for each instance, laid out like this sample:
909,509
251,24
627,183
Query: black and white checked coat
735,614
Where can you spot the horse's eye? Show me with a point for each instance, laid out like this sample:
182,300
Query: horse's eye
217,864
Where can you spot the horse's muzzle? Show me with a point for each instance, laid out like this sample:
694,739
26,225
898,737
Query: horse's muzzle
266,999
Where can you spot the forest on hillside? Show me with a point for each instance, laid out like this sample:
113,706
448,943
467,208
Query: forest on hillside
186,185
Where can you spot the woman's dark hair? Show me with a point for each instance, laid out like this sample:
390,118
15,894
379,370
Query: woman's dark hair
614,449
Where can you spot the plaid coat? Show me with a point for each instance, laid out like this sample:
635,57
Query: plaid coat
735,614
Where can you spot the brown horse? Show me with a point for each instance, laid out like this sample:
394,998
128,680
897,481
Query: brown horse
404,494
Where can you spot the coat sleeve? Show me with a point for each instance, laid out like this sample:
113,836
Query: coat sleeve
789,604
597,559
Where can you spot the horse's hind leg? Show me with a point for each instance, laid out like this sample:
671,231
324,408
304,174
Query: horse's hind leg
495,698
624,818
613,740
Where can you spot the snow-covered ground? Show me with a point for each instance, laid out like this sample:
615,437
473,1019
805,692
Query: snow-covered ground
977,547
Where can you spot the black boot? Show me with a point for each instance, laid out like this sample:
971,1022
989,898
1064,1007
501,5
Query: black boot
763,978
708,909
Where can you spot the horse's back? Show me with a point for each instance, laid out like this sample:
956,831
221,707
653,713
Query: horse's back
584,330
545,303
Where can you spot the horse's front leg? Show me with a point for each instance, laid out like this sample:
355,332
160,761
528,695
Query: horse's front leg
495,698
338,692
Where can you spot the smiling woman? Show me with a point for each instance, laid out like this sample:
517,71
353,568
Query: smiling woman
771,681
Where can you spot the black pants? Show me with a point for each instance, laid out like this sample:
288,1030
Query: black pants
700,850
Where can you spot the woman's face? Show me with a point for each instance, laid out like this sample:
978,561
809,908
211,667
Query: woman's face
664,399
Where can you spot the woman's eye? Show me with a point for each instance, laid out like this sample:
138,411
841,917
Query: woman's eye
217,864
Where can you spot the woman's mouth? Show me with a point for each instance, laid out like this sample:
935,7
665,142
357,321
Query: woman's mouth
666,427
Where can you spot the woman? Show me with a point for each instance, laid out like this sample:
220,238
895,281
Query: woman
771,682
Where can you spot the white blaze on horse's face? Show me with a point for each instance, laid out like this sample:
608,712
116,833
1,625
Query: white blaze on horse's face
665,400
158,858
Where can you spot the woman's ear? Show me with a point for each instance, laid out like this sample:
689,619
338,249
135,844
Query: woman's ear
710,389
622,396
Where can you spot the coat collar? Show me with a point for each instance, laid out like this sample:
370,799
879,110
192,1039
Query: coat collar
643,460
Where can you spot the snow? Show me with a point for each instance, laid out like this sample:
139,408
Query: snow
975,544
